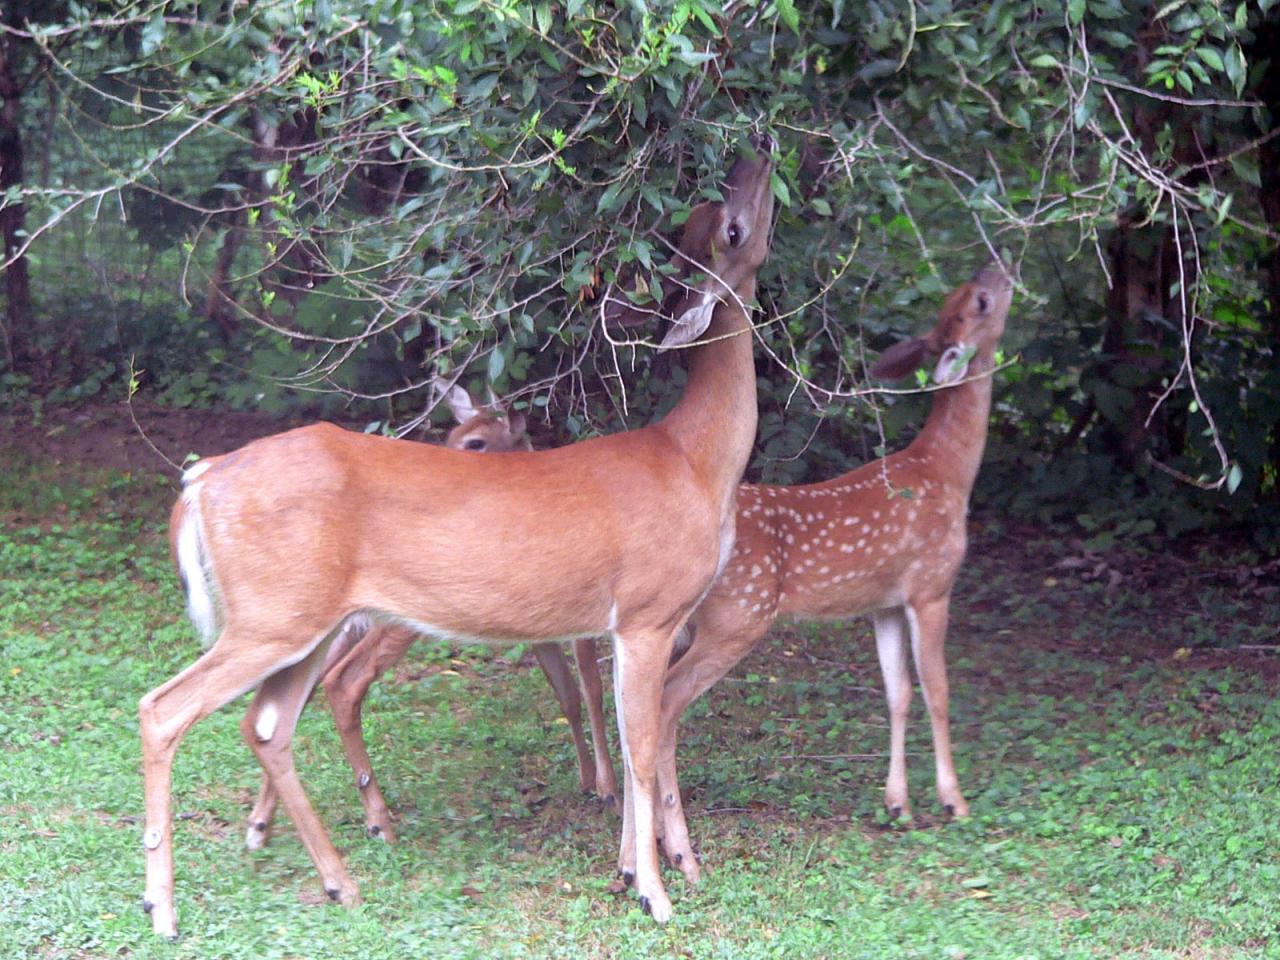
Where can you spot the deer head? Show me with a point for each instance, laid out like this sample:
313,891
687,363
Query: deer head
970,324
721,248
484,429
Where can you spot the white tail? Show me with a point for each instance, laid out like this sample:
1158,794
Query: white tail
360,654
307,529
886,539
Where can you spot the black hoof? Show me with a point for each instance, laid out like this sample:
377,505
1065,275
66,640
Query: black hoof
644,905
335,895
610,801
895,813
628,877
147,905
364,781
373,830
172,937
951,810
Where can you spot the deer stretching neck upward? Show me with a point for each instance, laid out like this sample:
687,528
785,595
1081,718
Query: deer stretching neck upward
286,540
357,658
886,539
359,655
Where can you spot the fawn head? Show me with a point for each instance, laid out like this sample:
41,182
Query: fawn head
970,321
484,429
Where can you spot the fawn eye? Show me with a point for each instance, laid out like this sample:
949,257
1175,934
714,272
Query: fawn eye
734,235
475,443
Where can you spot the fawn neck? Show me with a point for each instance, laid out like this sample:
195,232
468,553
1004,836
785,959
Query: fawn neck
955,434
714,422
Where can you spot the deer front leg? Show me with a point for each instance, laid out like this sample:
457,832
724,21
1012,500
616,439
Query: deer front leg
555,666
584,651
928,641
891,647
639,665
723,637
346,684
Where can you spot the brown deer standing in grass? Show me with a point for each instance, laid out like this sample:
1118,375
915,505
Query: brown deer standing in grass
358,657
886,539
285,541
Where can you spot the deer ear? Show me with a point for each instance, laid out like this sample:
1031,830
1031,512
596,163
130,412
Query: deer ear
618,309
691,324
459,401
516,424
900,360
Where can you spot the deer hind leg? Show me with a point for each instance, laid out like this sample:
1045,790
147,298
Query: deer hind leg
235,664
258,832
268,727
639,666
556,667
891,627
584,652
928,640
346,684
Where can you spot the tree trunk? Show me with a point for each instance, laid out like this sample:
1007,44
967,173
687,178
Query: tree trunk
17,283
220,306
1264,50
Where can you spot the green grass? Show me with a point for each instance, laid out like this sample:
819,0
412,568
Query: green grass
1124,795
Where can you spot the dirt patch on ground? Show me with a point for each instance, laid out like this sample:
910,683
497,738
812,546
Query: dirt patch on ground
105,435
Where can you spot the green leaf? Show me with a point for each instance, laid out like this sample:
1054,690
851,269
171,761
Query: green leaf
497,362
1235,68
1075,11
1211,57
780,190
616,194
1234,476
788,15
1045,60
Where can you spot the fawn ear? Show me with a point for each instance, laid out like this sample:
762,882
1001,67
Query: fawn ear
900,360
952,365
516,424
460,402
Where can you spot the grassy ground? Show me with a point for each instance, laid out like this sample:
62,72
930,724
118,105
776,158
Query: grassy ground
1122,775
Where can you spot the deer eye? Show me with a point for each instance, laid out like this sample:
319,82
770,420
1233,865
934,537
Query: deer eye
734,235
475,443
983,304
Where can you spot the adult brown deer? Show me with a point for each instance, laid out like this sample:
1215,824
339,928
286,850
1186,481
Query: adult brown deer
357,657
886,539
285,541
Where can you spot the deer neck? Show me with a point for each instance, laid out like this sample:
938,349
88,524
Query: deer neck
714,422
955,434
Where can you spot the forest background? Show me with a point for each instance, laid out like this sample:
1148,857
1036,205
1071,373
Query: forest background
322,207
